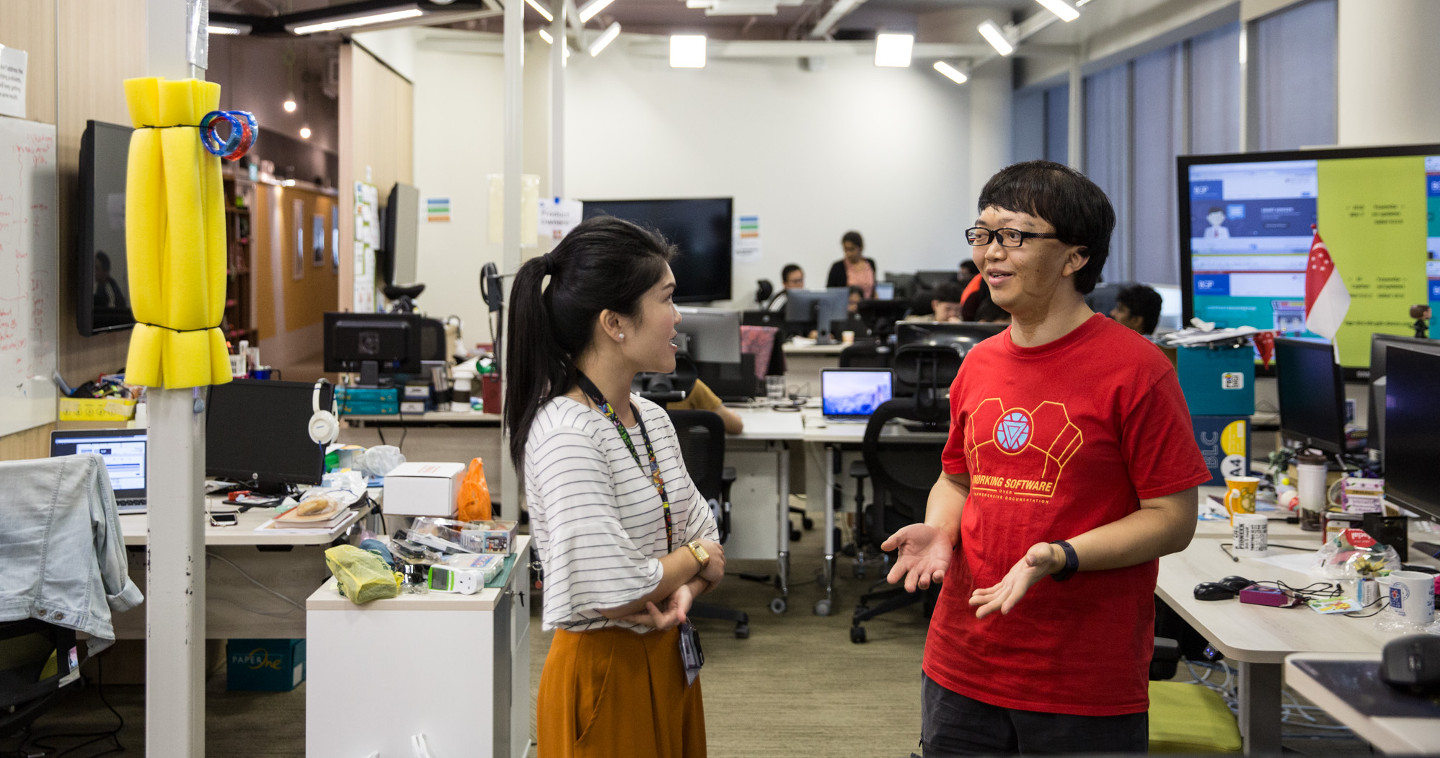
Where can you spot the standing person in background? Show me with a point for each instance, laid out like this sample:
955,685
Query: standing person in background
1138,307
625,540
1070,469
853,270
792,277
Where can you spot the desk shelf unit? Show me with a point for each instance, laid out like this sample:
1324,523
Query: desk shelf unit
239,315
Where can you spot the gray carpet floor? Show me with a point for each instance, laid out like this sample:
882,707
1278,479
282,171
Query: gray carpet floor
796,687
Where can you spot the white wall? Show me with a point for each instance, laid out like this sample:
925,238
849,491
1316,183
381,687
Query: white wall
1401,76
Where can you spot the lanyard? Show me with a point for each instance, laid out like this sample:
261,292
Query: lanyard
593,392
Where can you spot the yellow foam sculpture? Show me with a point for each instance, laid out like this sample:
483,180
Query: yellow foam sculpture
175,237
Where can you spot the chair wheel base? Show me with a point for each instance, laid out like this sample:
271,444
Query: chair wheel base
778,605
857,634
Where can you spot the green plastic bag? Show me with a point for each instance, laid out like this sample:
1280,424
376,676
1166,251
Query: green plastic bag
361,575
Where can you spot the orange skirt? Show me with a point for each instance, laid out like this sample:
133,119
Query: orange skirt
612,692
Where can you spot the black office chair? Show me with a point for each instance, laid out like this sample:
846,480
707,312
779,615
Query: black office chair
902,473
39,665
702,446
868,355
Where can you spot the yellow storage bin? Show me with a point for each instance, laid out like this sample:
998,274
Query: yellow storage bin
96,409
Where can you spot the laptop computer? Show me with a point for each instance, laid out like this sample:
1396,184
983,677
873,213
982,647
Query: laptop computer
852,394
124,453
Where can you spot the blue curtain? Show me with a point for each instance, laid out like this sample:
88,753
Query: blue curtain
1157,119
1295,75
1057,124
1107,156
1027,136
1215,91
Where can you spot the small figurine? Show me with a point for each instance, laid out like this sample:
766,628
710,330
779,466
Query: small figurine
1421,314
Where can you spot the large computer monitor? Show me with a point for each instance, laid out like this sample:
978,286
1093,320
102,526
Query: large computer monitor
400,261
258,433
701,229
1412,435
373,344
102,270
960,335
1375,408
713,334
1311,393
808,309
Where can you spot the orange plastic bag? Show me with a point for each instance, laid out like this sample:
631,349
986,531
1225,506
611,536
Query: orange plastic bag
474,502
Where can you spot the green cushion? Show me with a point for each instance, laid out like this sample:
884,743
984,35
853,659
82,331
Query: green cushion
1190,718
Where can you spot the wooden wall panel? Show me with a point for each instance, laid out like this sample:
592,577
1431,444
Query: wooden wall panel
29,25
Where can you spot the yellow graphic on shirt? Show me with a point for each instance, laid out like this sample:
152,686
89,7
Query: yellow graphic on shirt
1018,453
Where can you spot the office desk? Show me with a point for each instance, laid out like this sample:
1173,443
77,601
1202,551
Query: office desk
1256,637
755,531
289,564
1348,687
803,363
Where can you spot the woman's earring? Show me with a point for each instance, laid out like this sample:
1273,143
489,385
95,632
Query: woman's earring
622,335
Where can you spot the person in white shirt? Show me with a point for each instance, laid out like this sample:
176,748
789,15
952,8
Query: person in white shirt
625,540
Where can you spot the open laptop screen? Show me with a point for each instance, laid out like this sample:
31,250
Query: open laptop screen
854,392
123,451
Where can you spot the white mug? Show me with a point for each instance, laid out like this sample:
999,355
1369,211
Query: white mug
1252,534
1412,597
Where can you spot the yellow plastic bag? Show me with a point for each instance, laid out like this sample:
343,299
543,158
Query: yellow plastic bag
361,575
474,502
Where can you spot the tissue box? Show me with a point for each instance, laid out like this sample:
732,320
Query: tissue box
1225,444
264,665
423,489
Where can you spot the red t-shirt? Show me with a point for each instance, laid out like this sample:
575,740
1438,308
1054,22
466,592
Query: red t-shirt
1057,440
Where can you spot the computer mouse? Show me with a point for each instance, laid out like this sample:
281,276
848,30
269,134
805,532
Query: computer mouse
1235,583
1213,591
1412,662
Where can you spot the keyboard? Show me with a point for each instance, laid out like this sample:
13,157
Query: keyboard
132,505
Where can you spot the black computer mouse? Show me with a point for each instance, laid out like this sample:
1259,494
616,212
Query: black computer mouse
1235,583
1412,662
1214,591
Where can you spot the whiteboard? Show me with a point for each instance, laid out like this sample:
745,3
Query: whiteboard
28,265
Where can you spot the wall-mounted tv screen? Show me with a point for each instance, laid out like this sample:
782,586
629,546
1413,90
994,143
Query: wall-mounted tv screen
1245,237
102,298
699,228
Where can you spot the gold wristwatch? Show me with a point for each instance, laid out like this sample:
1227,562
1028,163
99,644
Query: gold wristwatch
700,553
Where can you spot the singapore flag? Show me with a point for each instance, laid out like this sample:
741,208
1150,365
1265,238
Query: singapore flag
1326,299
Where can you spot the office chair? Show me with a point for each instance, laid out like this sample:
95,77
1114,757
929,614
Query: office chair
702,446
868,355
1185,717
902,473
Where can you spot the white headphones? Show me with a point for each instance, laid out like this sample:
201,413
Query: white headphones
324,426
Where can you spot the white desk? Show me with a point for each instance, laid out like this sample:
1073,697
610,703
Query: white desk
1257,638
290,564
1348,687
803,363
765,442
428,418
455,668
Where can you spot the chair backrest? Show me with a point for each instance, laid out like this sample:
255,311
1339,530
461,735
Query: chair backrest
925,372
702,446
760,341
869,355
905,468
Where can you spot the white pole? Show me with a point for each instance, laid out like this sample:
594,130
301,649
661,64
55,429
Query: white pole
175,576
514,47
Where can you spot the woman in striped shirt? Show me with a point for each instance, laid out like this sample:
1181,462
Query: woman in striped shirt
624,538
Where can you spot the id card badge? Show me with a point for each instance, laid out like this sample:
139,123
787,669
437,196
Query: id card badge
691,656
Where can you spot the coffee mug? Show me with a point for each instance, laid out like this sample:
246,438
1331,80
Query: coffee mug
1412,597
1252,534
1240,495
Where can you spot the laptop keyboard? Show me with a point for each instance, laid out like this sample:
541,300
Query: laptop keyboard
130,505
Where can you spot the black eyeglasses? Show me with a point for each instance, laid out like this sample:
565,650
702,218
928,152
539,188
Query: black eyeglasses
980,236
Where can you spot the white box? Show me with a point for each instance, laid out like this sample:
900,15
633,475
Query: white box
423,489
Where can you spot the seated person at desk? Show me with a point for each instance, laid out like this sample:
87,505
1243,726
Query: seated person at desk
702,398
1070,450
625,552
944,304
856,295
792,277
981,307
967,273
1138,307
853,270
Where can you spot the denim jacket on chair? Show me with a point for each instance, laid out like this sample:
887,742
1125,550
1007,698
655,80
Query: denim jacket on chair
62,557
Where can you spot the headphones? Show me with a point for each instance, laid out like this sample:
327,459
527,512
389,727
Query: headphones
324,426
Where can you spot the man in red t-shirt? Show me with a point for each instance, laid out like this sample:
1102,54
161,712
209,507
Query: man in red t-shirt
1070,457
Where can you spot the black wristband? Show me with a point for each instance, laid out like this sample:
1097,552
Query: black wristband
1072,562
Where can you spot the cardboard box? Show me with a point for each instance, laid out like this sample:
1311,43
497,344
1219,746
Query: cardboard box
1218,382
423,489
1225,443
96,409
265,665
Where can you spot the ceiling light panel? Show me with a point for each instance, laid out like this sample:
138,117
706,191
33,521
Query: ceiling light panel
606,37
350,22
1061,9
687,51
592,9
893,50
951,73
996,37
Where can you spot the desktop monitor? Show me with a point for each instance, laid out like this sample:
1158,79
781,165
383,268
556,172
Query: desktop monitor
884,290
1311,394
929,280
373,344
102,302
807,309
258,433
399,262
1375,407
713,334
1412,406
959,335
904,285
699,228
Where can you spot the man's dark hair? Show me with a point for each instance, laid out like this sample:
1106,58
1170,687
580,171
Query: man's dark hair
785,273
948,292
1074,205
1144,302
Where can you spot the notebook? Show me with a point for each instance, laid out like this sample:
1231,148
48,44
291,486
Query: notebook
852,394
124,453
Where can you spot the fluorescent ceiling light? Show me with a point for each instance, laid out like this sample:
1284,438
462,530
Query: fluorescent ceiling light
687,51
349,22
227,29
992,34
606,37
546,36
893,50
951,73
540,9
1061,9
592,8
